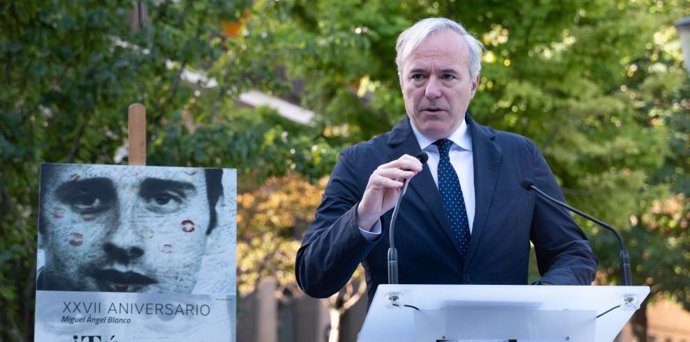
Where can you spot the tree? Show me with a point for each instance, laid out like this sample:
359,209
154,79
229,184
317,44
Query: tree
659,236
597,84
582,79
69,71
64,100
270,219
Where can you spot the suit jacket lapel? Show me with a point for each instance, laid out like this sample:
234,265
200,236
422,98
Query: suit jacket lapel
487,159
403,141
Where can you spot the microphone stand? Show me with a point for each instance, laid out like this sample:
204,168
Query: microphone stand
392,252
625,271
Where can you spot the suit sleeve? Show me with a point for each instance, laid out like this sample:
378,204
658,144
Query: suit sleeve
333,246
564,256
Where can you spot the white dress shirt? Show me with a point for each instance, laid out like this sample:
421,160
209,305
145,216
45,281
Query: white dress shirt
460,157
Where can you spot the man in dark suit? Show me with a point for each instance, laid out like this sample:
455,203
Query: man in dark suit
476,233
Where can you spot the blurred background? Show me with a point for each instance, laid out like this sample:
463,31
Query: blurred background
276,88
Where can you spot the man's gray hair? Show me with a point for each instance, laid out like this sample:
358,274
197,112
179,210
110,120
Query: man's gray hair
417,33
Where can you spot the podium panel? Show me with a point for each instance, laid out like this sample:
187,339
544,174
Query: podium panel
431,313
473,323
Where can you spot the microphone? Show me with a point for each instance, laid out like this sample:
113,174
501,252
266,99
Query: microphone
624,255
392,252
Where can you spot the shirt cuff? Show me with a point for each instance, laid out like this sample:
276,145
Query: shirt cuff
372,234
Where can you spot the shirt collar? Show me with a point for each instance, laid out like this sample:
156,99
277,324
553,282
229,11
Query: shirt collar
460,137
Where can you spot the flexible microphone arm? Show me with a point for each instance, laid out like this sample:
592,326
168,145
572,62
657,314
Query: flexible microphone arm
625,271
392,252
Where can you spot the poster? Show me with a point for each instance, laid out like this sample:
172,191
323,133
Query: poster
136,253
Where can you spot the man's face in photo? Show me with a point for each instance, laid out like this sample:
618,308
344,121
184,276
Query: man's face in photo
119,229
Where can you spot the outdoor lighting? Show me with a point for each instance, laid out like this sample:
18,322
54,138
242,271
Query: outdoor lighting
683,27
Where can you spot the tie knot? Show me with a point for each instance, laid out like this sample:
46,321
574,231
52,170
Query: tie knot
443,146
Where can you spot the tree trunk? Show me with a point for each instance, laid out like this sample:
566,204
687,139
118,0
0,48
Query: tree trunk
334,332
639,323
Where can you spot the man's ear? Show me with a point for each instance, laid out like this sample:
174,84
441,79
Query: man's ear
222,214
475,84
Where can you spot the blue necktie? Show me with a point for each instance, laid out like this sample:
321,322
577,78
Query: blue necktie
451,195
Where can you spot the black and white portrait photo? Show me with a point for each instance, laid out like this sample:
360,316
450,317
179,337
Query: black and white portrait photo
141,229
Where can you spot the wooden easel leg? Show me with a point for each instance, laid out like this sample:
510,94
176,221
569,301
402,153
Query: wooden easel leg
136,116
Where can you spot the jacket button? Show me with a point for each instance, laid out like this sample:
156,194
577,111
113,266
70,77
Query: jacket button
466,278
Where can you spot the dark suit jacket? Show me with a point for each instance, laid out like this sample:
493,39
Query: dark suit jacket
507,218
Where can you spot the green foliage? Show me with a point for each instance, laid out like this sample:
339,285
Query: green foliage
259,143
597,84
69,71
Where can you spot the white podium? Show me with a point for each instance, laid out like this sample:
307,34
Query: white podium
439,313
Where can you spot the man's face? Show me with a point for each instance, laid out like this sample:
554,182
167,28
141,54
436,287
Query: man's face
436,84
124,229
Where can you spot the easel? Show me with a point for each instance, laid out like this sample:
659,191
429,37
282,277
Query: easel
136,120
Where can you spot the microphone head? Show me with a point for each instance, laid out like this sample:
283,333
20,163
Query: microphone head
527,184
423,157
